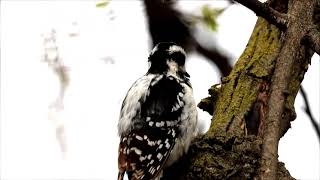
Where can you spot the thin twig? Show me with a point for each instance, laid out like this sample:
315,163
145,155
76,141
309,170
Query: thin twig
307,110
268,13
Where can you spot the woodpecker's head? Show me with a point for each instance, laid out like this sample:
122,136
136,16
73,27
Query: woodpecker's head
168,58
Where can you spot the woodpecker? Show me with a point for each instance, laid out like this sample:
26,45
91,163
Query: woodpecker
158,117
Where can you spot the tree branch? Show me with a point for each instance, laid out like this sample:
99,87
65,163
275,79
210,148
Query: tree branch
215,56
161,15
268,13
312,39
292,52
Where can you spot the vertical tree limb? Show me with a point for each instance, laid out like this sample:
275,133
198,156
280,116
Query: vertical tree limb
301,17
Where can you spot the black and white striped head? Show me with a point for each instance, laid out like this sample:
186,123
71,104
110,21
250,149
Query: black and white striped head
168,58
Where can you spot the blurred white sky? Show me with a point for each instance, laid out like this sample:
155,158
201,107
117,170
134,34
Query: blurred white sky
29,149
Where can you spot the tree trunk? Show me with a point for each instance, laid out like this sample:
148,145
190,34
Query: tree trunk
234,146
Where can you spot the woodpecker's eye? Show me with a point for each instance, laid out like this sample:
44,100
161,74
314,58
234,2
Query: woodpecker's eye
178,57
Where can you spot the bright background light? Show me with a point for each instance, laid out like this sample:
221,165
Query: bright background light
29,149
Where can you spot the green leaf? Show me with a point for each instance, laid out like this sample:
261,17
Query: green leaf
210,16
102,4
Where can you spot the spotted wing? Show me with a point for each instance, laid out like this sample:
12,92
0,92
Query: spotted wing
143,152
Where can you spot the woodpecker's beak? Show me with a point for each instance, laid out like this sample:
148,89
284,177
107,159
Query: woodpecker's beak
186,74
183,72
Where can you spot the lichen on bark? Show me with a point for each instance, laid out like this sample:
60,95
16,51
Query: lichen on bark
239,90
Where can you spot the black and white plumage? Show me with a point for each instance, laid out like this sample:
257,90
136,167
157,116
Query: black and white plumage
158,118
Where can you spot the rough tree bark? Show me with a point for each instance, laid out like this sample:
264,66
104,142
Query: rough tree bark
253,106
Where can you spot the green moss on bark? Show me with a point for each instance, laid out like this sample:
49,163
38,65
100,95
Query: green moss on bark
239,90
